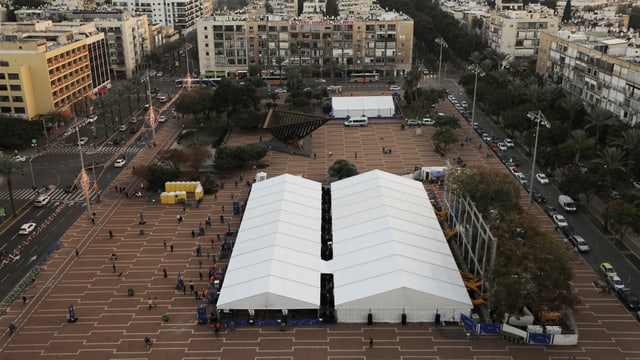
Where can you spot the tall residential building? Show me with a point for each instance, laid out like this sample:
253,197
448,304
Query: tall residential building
517,33
371,40
180,14
128,38
47,67
602,70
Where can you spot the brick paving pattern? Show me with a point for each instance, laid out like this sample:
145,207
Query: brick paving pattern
112,325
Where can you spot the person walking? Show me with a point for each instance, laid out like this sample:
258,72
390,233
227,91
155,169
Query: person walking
77,253
164,243
113,266
110,234
191,286
164,273
193,234
171,247
148,342
370,343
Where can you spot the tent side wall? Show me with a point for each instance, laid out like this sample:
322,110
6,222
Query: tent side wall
394,316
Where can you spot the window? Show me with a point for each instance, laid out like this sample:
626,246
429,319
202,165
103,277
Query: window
5,110
4,98
19,110
15,87
3,87
14,76
2,76
17,99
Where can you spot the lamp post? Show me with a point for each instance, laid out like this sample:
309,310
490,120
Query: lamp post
538,117
33,177
84,179
475,88
442,44
152,118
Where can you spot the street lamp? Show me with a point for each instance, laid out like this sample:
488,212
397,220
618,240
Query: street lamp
84,180
33,177
538,117
475,88
442,44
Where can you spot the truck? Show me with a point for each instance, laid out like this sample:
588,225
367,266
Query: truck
567,203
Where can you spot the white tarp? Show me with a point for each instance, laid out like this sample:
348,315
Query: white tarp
275,263
356,106
389,253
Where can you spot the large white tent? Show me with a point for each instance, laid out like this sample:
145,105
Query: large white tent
276,260
356,106
390,255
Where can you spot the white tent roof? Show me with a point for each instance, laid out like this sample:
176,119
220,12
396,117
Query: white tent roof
276,258
371,106
388,248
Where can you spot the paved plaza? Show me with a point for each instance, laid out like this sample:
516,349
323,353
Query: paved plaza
112,324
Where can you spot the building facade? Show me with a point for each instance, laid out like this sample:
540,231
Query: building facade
180,14
381,44
46,67
517,33
602,70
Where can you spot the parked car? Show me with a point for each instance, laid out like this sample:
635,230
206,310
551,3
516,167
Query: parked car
515,170
123,127
550,210
395,88
27,228
91,119
629,299
542,178
559,220
607,269
521,178
412,122
509,143
615,282
428,122
513,161
133,130
502,146
280,91
614,195
579,243
636,184
538,197
162,118
20,158
120,163
83,140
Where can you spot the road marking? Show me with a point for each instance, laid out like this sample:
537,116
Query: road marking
5,278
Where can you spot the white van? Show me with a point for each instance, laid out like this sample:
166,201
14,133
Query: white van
567,203
42,201
357,121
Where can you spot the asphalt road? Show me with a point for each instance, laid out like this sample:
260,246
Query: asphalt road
59,165
601,249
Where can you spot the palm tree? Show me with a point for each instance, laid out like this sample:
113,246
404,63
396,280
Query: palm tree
8,167
501,58
573,105
579,138
629,140
518,91
411,82
599,119
612,160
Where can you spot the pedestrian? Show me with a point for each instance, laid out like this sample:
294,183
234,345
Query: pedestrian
221,219
113,266
93,220
184,290
236,184
223,209
215,197
356,154
171,247
184,208
199,263
191,286
200,274
370,343
197,296
116,188
164,243
164,273
212,241
260,138
77,252
231,196
208,254
218,236
389,151
480,146
384,150
461,145
148,341
314,156
24,299
126,194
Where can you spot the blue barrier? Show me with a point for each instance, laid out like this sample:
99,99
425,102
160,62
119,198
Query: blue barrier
468,323
490,329
540,339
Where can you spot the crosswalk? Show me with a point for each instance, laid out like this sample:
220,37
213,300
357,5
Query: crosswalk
56,195
107,149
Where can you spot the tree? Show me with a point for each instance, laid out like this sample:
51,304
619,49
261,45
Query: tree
566,14
8,167
444,136
229,158
331,8
175,157
157,175
612,160
598,120
341,169
490,190
197,156
621,216
573,106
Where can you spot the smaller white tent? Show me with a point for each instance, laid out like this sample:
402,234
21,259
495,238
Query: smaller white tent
356,106
276,261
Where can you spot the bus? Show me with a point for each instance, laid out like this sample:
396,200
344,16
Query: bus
214,82
364,77
275,80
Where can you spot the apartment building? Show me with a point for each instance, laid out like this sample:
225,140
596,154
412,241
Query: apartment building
517,32
371,41
47,67
602,69
128,38
179,14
